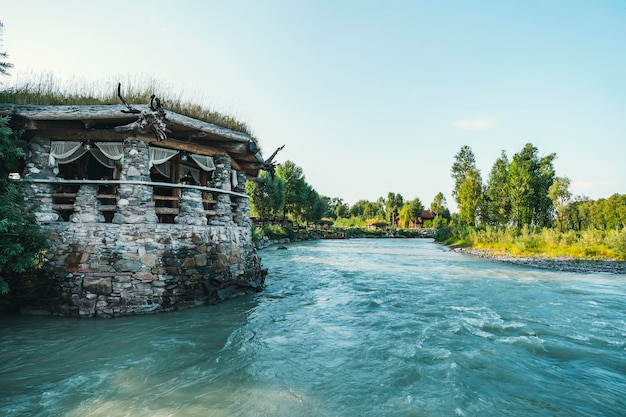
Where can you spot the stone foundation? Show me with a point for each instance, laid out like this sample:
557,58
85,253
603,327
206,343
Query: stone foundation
97,270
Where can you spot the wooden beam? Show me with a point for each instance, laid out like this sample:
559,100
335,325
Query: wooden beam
182,146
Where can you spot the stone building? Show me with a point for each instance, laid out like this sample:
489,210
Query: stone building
143,217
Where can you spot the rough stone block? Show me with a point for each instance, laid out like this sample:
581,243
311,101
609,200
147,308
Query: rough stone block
97,285
86,307
125,265
200,259
188,263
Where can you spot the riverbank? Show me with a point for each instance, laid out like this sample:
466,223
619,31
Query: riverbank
265,241
555,264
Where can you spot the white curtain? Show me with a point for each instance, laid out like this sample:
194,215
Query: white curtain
194,172
164,168
203,161
233,175
65,152
112,150
159,156
102,158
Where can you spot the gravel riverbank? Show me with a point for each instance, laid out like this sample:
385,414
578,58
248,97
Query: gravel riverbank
555,264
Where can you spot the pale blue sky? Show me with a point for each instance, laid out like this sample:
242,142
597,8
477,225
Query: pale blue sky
368,96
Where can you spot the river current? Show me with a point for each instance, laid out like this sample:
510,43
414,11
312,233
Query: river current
363,327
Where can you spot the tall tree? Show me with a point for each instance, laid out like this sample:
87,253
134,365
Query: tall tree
21,238
560,195
497,199
438,206
469,197
415,209
267,199
4,65
373,210
358,208
467,185
393,204
295,189
530,178
314,207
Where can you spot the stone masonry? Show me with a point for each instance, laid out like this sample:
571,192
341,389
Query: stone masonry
135,264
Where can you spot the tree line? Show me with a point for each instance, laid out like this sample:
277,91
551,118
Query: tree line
288,196
525,191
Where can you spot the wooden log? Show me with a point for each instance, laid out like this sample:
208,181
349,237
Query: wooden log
166,197
108,208
64,195
166,210
60,207
113,113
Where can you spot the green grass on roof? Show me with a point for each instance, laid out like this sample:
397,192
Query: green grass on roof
47,90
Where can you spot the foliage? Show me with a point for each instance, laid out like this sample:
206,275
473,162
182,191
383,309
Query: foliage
539,241
467,185
438,206
21,239
266,200
559,195
275,231
530,178
314,208
352,221
295,189
497,199
4,65
602,214
393,204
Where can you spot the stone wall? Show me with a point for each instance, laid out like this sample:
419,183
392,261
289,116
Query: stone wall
136,265
132,269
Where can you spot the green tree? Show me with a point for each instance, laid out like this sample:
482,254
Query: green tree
266,200
4,65
560,195
393,204
467,185
497,199
314,208
373,210
295,189
336,208
404,217
415,209
469,198
358,208
21,238
438,206
530,178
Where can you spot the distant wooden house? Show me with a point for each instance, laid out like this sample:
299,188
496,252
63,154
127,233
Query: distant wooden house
419,223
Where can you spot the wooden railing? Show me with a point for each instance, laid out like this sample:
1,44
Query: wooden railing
166,206
135,182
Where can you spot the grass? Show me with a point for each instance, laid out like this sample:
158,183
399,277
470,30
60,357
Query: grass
544,242
46,89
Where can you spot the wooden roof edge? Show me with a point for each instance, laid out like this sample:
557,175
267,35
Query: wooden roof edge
112,112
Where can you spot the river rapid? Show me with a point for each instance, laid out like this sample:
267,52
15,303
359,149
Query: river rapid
363,327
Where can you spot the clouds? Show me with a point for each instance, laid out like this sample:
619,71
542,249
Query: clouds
477,123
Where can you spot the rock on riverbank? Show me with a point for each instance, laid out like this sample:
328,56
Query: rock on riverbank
555,264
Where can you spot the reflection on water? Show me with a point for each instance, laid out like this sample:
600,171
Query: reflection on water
397,327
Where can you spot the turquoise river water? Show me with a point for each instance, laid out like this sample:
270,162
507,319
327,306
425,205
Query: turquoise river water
363,327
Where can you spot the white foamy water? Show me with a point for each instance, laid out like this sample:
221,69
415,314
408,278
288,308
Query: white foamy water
398,327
